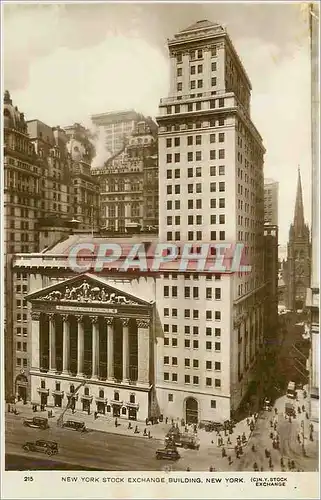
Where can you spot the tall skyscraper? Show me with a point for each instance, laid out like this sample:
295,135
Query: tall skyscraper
115,128
271,201
313,294
298,260
210,190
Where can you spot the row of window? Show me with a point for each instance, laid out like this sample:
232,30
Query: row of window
194,276
194,344
197,172
197,140
198,235
195,363
170,398
214,103
194,329
195,313
101,393
199,68
198,188
195,380
22,362
198,219
23,345
195,204
23,331
196,54
198,156
196,84
191,124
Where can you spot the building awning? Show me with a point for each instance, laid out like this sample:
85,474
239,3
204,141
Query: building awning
116,403
86,398
132,405
41,390
58,393
101,400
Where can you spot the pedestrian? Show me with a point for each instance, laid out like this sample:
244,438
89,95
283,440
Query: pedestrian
255,467
289,464
9,408
253,448
299,409
293,464
290,419
267,454
188,469
116,422
166,420
303,408
129,425
261,469
248,421
275,411
282,462
240,450
275,426
306,415
146,421
211,469
270,462
145,432
271,423
172,421
311,436
229,458
136,431
223,453
311,427
228,440
88,410
149,435
95,415
299,438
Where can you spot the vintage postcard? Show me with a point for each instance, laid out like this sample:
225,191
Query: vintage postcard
160,229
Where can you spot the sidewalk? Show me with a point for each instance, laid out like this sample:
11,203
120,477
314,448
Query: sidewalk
158,431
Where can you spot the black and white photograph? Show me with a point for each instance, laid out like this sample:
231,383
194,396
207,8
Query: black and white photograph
160,249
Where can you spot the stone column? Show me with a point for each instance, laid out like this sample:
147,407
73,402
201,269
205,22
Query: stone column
143,350
52,343
80,347
125,322
95,347
110,349
35,340
66,344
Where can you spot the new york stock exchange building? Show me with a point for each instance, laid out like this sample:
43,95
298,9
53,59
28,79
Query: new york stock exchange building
135,344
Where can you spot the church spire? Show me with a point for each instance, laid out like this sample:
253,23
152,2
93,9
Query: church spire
298,222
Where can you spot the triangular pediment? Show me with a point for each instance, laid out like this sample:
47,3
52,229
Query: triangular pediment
86,289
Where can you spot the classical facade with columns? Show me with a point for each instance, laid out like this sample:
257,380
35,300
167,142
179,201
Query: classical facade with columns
85,331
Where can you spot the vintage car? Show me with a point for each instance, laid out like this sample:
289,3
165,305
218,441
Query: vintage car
210,426
188,441
42,446
75,426
267,406
167,453
37,422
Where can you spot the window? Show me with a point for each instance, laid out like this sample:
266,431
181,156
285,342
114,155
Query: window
192,70
217,294
166,360
169,205
217,346
213,404
199,85
187,313
18,346
195,380
168,143
198,204
208,315
208,365
208,293
179,87
187,343
218,315
166,341
213,235
221,154
217,366
221,103
195,314
221,137
190,156
198,155
221,122
208,331
213,203
213,221
217,332
166,291
174,313
43,384
177,108
179,71
189,140
222,235
57,386
195,292
187,379
214,66
222,219
221,170
217,382
177,141
174,291
221,202
208,381
174,342
193,84
169,174
199,54
212,154
195,344
170,398
169,158
174,361
174,377
18,361
177,157
212,138
190,108
179,58
24,346
213,187
195,363
101,393
200,68
198,139
208,346
187,290
221,186
187,362
166,376
213,81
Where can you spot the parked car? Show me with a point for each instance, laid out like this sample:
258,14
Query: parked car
210,426
189,442
167,453
75,426
37,422
42,446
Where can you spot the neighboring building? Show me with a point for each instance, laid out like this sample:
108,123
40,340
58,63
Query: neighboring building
129,182
116,128
211,190
271,202
46,188
97,330
313,293
273,285
297,271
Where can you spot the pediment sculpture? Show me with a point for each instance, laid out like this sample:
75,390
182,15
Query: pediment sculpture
87,293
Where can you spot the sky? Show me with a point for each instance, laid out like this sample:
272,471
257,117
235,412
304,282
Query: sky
64,62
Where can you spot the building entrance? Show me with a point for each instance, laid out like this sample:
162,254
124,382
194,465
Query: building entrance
191,411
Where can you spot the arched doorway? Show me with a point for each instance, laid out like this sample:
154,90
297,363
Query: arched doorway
191,409
21,385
